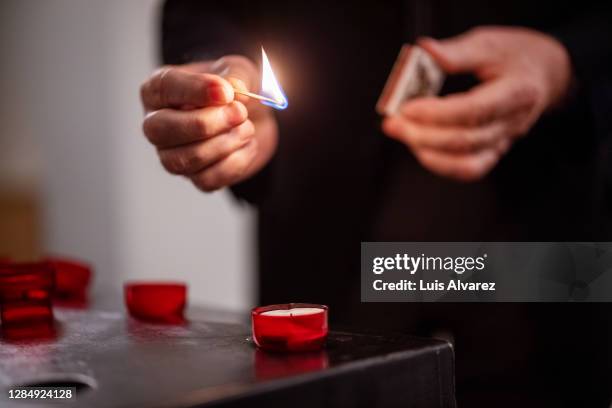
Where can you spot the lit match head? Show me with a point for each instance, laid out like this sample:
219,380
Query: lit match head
270,88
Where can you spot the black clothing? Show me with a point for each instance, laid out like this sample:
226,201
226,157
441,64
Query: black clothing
336,180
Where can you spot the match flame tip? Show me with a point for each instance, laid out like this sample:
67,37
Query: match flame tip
269,84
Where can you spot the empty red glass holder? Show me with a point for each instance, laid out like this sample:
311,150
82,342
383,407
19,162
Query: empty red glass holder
22,281
158,302
71,278
24,312
290,327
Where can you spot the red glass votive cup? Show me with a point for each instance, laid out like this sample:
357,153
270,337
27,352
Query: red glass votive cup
157,302
290,327
25,312
26,281
25,300
72,278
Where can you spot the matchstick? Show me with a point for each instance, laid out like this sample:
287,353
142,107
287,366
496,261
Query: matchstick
256,96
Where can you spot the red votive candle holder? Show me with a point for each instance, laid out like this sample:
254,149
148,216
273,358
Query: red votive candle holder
290,327
157,302
72,278
25,300
26,281
24,312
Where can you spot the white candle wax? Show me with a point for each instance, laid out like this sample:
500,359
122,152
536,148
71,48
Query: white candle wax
298,311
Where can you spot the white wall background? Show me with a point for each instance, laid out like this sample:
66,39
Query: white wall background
70,127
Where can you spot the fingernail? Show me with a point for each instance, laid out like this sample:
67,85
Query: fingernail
219,93
430,44
235,113
427,41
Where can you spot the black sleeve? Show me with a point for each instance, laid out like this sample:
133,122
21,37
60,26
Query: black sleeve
193,30
588,39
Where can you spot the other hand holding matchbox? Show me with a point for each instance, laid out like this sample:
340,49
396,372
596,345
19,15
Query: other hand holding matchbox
414,74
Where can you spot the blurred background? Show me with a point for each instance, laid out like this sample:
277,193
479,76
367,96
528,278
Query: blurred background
77,176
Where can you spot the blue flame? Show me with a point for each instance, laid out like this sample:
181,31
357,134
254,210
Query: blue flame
279,106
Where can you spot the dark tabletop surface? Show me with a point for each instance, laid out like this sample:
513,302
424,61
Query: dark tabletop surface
127,363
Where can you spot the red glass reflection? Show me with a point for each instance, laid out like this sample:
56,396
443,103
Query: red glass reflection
33,331
274,365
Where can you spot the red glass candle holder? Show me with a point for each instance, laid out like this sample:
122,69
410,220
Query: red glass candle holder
158,302
25,300
25,312
290,327
26,281
71,278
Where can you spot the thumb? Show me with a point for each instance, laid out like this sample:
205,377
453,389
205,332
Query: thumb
244,76
239,85
460,54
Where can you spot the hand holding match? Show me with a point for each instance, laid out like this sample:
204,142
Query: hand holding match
463,135
202,128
